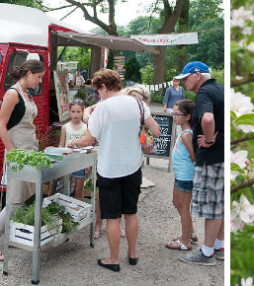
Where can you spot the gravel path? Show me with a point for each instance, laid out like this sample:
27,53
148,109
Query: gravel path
75,262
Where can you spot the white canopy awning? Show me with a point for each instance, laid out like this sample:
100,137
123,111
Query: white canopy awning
110,42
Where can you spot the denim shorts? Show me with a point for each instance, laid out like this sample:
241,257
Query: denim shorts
184,186
79,174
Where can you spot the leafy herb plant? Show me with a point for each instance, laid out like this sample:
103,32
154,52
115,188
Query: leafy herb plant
29,158
49,216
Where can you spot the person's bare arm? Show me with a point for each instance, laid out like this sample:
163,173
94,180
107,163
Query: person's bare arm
87,112
208,126
84,141
9,102
186,139
62,137
154,126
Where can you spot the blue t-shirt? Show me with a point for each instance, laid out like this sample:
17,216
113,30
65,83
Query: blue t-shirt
183,167
172,95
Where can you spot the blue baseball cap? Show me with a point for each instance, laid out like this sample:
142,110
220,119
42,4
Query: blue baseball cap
193,67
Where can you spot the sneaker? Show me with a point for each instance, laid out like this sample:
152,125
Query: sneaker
197,257
219,253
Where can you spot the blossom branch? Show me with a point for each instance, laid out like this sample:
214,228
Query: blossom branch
239,140
247,79
245,184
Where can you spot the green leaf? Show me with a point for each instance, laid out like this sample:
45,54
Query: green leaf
234,46
246,119
247,193
232,114
235,167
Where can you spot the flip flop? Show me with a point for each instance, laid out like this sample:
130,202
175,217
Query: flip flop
193,239
177,244
96,235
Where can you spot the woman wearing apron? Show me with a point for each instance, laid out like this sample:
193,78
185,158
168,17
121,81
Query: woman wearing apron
17,130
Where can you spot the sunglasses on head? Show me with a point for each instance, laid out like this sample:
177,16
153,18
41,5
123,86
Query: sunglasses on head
78,101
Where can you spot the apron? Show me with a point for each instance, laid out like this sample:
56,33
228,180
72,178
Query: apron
23,136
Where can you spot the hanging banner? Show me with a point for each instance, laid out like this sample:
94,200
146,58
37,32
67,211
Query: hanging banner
167,39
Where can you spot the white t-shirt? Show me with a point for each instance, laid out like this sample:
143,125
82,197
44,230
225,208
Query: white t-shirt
70,77
115,124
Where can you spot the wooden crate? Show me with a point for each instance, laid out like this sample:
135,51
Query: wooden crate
80,215
24,234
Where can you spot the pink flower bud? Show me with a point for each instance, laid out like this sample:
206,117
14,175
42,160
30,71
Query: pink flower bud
247,162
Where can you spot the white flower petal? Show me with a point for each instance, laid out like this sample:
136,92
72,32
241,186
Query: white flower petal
239,158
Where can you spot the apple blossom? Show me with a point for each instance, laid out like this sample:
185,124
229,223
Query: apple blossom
239,103
250,47
239,158
246,128
247,282
242,213
240,16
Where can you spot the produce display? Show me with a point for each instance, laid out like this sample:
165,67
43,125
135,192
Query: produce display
49,216
29,158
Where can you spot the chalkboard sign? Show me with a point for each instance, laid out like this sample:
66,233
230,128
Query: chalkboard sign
164,141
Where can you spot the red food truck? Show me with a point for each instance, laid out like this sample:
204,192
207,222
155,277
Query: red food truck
27,33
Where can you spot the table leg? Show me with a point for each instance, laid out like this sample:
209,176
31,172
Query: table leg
37,234
7,225
93,195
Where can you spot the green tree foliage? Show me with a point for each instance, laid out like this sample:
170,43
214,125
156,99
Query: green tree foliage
206,17
80,54
211,43
210,49
142,25
110,59
147,74
132,69
28,3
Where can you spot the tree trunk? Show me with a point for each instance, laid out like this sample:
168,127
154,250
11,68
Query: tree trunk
170,21
158,65
182,50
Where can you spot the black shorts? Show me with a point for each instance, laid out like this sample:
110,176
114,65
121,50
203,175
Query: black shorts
119,195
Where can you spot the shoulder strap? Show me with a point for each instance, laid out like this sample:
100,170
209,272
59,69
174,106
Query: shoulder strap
141,109
14,89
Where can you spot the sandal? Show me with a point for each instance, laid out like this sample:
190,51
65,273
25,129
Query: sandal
96,235
194,238
1,256
177,244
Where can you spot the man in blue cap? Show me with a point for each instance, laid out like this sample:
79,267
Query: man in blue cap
208,142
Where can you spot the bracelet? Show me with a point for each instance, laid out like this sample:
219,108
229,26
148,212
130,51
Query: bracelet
210,142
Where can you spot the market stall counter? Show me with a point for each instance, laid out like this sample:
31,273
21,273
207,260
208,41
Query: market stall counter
64,167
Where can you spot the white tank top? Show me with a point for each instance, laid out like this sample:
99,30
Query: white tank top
72,134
